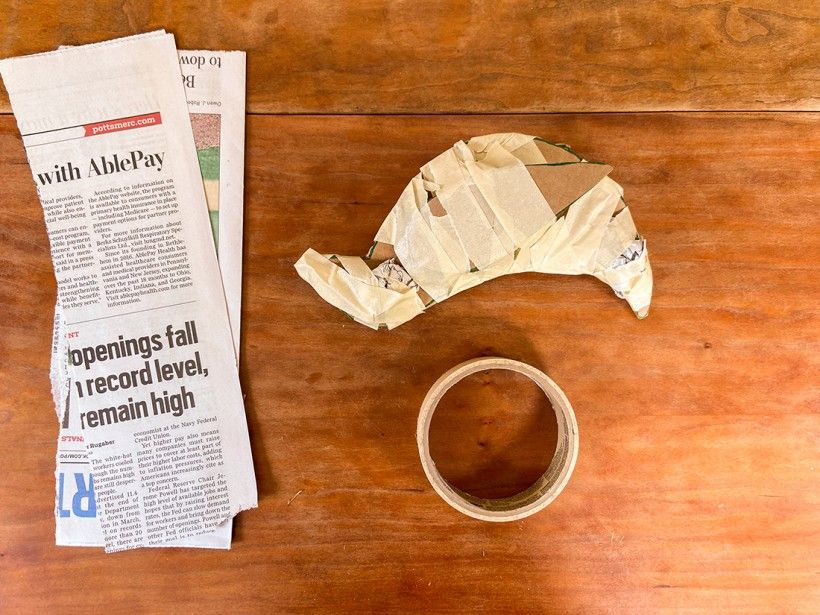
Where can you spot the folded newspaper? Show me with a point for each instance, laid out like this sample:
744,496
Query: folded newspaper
214,84
153,447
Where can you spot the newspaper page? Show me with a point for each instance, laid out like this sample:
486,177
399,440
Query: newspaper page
151,358
215,89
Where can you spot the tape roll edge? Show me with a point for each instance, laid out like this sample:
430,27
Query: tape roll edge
568,436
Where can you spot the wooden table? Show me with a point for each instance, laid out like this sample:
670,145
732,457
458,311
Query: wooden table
697,484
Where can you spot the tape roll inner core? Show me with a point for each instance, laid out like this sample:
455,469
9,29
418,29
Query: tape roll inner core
545,489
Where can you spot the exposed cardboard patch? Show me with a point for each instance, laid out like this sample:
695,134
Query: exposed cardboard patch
555,153
562,184
436,208
381,252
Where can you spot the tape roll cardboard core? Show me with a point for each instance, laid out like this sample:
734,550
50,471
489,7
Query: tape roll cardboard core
538,495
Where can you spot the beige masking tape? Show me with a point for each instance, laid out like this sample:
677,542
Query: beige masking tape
540,493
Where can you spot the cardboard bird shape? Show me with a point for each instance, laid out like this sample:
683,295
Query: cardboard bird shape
494,205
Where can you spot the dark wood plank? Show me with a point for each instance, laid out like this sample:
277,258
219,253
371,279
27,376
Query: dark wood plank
696,486
423,56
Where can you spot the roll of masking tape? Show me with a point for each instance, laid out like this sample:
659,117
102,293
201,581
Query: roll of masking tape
539,494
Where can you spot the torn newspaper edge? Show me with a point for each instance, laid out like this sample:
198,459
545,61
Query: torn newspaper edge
110,145
215,89
494,205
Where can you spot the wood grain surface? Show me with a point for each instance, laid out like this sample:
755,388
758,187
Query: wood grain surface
696,489
433,56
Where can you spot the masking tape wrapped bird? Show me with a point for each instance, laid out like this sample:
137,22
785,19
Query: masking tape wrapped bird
493,205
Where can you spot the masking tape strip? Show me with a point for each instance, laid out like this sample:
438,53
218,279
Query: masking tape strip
539,494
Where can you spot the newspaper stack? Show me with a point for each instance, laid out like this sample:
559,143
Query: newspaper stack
137,153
